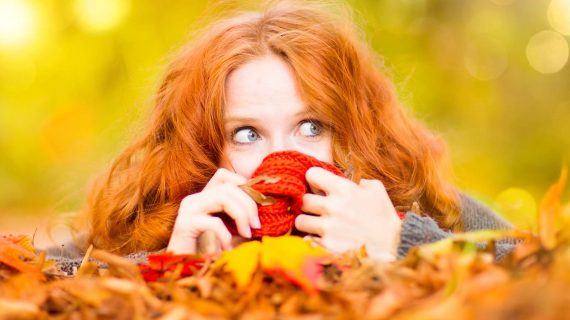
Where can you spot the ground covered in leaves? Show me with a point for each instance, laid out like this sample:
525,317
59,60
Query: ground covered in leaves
289,278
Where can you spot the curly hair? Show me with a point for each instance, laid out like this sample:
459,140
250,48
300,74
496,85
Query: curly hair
133,205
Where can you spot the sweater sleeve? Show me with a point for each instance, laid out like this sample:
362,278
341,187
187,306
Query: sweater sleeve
68,256
418,230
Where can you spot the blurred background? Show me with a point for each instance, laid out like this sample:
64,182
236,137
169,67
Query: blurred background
76,78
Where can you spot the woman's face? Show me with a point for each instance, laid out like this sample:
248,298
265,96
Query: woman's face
264,114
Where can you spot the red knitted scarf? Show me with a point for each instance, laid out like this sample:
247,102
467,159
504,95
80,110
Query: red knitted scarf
289,167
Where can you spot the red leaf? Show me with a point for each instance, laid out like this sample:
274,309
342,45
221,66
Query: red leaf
159,264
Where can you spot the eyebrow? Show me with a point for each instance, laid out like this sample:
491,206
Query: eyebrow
240,119
299,114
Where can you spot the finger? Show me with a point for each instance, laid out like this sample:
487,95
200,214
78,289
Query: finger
226,198
327,181
315,204
231,202
316,190
222,176
247,204
183,240
216,225
309,224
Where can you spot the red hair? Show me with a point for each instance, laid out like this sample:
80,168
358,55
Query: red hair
133,206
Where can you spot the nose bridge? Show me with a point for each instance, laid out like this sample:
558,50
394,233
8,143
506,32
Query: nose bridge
280,142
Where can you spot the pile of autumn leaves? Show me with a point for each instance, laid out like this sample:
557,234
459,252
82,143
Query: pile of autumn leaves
287,277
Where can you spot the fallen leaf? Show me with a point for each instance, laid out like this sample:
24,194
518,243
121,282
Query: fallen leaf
17,253
445,246
295,258
159,264
241,262
550,210
257,196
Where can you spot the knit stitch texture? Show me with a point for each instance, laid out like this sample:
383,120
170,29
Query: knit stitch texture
290,168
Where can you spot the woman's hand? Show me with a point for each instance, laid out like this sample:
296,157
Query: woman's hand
350,215
221,194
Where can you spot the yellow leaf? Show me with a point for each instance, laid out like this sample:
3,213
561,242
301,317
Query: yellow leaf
241,261
549,210
293,257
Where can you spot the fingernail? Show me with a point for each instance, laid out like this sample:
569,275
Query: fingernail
248,233
256,224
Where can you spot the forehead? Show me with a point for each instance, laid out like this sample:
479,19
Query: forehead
266,83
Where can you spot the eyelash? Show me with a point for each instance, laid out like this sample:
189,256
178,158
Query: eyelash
238,129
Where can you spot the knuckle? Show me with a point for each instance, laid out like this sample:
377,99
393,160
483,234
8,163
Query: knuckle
374,183
227,188
217,221
187,201
345,188
377,183
329,207
325,226
222,171
219,174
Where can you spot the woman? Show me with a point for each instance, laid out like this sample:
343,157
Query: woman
292,77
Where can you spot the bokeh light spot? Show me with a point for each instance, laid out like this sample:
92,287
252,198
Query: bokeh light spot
17,23
518,206
559,16
547,51
101,15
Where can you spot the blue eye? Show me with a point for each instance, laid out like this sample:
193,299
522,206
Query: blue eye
310,128
245,135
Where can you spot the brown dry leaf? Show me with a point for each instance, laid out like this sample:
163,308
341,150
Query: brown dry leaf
119,266
257,196
207,244
453,279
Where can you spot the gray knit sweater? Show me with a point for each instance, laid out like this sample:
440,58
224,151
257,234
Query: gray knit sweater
416,230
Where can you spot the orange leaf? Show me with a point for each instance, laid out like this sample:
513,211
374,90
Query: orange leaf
550,209
17,253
